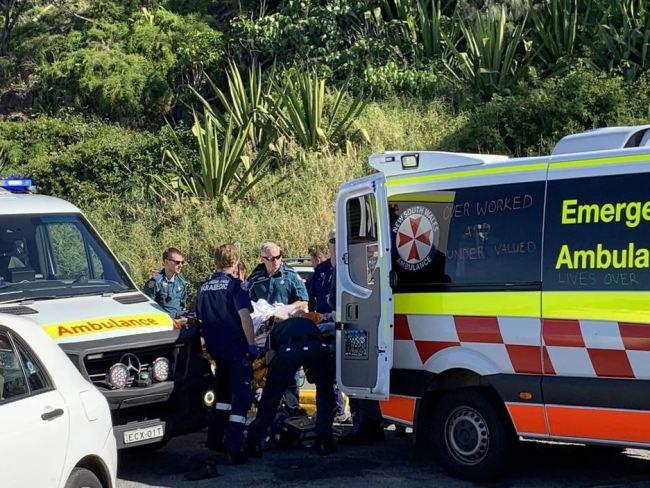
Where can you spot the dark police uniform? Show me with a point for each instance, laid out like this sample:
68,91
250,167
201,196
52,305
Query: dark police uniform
217,304
285,286
320,286
171,295
296,342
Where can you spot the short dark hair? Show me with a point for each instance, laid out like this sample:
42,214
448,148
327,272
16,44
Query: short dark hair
171,250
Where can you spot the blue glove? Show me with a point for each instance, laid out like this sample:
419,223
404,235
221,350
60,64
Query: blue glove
253,352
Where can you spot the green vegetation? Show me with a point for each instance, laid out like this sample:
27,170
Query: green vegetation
191,123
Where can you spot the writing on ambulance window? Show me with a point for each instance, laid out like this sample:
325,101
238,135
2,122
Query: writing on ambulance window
479,236
597,234
13,383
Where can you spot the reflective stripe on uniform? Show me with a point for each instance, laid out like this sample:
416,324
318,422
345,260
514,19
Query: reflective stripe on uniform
223,406
237,418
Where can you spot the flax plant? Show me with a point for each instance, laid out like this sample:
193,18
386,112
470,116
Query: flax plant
555,33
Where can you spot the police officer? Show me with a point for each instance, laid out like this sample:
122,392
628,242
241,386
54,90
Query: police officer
276,282
223,309
294,343
168,288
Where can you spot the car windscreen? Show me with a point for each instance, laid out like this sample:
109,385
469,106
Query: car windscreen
54,256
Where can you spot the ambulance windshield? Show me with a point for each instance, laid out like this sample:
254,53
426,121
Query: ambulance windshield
54,256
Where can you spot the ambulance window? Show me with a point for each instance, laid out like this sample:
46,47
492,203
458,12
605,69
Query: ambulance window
68,251
597,233
469,238
362,219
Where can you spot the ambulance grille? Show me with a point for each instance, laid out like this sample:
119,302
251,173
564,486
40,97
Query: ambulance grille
98,364
20,310
129,299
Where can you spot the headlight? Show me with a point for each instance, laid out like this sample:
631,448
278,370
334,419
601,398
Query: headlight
160,369
118,375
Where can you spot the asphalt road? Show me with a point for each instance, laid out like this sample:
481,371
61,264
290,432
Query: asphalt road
393,463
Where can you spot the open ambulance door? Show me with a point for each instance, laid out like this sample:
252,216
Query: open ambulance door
364,352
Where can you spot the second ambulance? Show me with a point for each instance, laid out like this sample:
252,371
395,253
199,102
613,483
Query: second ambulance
484,298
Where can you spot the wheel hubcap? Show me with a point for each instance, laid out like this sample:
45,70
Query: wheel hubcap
467,436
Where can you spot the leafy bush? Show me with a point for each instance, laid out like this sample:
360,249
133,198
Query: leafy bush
390,79
533,120
83,161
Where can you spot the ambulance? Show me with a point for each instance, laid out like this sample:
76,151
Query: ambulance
484,299
57,271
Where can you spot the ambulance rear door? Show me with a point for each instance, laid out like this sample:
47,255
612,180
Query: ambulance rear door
363,297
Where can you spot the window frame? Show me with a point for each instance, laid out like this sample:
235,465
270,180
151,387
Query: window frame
16,340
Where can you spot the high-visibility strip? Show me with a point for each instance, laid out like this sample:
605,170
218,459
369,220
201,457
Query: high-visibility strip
599,423
634,158
402,180
505,304
398,407
434,197
238,419
223,406
116,323
617,306
527,419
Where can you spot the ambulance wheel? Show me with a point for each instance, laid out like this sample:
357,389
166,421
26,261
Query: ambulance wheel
83,478
472,437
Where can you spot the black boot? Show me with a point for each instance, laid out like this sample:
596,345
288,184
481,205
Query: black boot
325,446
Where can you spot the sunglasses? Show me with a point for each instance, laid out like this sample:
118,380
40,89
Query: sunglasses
177,263
332,240
270,259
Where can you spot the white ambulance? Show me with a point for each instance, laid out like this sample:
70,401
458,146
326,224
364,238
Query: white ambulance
484,298
56,271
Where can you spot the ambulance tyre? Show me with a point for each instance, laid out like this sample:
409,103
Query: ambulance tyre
82,478
471,435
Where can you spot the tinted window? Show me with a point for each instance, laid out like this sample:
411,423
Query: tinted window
598,233
362,219
35,375
12,378
472,236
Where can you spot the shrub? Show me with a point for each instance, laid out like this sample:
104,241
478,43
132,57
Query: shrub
532,121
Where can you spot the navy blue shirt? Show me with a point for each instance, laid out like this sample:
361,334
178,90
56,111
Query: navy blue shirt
218,302
320,286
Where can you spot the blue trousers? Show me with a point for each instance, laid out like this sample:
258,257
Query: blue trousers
319,367
234,396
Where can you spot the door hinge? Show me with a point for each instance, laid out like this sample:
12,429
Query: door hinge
345,258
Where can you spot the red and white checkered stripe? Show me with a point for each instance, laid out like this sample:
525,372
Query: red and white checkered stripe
519,345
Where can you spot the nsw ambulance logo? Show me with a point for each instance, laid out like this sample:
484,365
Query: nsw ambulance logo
417,234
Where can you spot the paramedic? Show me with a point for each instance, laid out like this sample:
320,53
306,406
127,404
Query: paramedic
293,343
321,281
223,309
275,282
167,287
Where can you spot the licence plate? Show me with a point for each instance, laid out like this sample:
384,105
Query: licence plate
144,434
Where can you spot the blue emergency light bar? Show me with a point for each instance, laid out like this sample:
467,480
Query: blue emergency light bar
18,184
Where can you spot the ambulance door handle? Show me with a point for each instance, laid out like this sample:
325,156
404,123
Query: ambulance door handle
392,279
352,311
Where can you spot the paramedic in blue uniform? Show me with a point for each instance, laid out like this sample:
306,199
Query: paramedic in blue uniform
167,287
294,343
274,281
223,308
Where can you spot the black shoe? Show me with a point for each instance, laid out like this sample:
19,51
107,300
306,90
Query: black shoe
254,450
206,471
325,447
233,458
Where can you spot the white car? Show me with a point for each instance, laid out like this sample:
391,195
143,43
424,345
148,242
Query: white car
55,427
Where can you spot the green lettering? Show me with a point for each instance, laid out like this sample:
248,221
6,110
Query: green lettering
568,211
564,258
